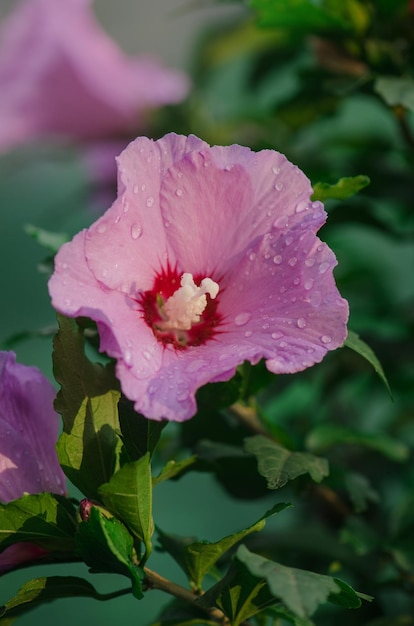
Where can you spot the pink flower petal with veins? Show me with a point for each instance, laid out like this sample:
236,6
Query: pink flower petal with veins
244,220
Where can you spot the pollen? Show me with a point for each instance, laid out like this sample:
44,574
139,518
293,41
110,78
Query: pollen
187,304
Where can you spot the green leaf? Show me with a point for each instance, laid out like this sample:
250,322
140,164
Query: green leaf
129,496
325,436
47,239
343,189
43,519
300,15
198,557
42,590
355,343
396,91
106,546
360,491
139,434
279,465
89,446
300,591
172,469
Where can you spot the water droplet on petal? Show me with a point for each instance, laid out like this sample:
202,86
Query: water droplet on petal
277,259
182,395
310,262
292,262
276,170
301,206
323,267
278,186
242,318
136,231
179,192
301,323
147,355
296,282
101,229
283,344
128,357
252,256
277,335
167,224
135,189
308,284
248,333
326,339
150,201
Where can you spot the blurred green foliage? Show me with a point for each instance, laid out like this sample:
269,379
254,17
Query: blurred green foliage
329,83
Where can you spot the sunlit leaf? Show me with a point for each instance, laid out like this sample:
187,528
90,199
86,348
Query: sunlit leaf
343,189
89,446
279,465
300,15
198,557
43,519
106,546
129,496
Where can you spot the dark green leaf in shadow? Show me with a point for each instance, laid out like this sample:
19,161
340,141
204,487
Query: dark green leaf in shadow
278,465
355,343
41,590
139,434
325,436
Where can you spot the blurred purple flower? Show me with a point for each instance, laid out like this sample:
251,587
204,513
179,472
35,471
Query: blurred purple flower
62,75
28,433
207,258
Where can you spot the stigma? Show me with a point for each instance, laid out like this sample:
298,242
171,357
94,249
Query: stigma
186,305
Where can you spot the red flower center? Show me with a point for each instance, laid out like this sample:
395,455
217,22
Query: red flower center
204,322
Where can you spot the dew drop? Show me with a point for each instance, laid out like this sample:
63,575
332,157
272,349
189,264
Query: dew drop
242,318
117,219
296,282
135,189
278,186
147,355
167,224
64,266
288,240
67,302
179,192
292,261
301,206
143,187
283,344
301,323
248,333
252,256
277,259
308,284
277,335
310,262
136,231
323,267
150,201
128,357
276,170
182,395
326,339
101,229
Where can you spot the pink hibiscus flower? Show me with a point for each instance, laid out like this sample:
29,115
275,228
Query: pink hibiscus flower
28,434
207,258
60,74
